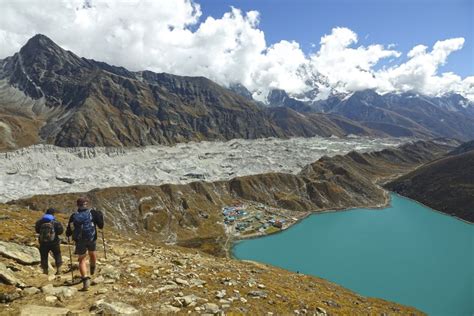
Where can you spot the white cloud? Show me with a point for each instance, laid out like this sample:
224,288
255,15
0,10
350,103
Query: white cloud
417,51
419,72
171,36
347,68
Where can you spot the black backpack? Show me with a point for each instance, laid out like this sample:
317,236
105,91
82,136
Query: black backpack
84,228
47,232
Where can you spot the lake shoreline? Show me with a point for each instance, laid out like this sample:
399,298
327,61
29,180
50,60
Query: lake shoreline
236,240
433,209
387,203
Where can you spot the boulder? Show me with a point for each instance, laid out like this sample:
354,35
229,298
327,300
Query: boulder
134,266
50,298
98,280
181,281
115,308
178,262
110,281
62,291
101,291
29,310
166,309
260,294
211,308
20,253
197,282
9,277
221,294
110,272
168,287
188,300
331,303
8,294
321,311
31,290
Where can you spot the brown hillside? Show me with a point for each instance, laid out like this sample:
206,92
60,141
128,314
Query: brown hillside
446,185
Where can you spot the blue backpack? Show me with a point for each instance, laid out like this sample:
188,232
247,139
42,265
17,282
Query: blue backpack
84,228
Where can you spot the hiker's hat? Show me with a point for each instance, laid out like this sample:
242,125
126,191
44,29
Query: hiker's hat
82,200
48,217
51,211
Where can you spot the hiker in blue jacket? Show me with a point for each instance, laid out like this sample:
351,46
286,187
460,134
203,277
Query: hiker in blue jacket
82,227
48,230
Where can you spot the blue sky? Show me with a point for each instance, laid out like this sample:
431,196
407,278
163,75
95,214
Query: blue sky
405,23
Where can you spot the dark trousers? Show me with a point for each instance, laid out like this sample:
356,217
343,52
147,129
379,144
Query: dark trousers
45,248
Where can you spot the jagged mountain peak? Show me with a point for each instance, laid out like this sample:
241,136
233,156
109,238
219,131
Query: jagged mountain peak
241,90
44,70
277,94
40,41
278,97
39,45
43,52
365,94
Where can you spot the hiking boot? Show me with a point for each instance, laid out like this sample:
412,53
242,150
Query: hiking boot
45,271
86,283
58,270
92,268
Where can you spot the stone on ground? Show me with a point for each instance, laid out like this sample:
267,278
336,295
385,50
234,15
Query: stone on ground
31,290
9,277
30,310
20,253
116,308
211,308
166,309
63,291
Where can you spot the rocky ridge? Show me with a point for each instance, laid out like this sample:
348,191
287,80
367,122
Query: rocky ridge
142,276
396,114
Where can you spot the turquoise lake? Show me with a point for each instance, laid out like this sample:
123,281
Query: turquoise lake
406,253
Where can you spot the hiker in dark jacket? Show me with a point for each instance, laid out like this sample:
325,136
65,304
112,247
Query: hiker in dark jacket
48,230
82,227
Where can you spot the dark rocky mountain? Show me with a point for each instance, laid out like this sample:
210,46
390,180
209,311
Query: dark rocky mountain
278,97
173,213
241,90
295,123
446,184
48,94
463,148
406,114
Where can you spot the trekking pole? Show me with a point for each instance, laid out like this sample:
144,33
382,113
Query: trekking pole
70,260
103,242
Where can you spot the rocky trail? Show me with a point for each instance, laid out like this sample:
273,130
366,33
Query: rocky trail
141,276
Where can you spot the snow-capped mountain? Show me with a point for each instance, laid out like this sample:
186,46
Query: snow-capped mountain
398,114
